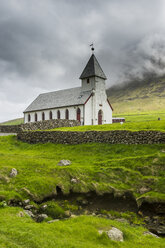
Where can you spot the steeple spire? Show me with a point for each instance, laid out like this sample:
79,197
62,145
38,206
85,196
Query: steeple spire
93,68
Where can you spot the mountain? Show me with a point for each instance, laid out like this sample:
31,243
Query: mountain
137,96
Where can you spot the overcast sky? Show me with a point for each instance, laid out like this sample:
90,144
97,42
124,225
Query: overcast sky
44,44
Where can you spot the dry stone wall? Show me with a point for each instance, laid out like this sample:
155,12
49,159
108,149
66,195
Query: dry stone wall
10,128
39,125
111,137
49,124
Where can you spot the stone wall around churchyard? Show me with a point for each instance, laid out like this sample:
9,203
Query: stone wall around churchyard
49,124
39,125
10,128
111,137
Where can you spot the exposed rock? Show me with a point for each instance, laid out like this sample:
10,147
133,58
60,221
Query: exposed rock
52,221
74,180
21,214
41,217
144,190
13,172
73,216
29,213
28,207
67,213
44,207
26,202
115,234
150,233
64,162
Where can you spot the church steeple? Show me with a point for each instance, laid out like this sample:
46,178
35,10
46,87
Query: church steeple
93,69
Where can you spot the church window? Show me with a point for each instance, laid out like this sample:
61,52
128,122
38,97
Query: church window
88,81
58,114
43,116
50,115
29,117
35,116
67,114
78,114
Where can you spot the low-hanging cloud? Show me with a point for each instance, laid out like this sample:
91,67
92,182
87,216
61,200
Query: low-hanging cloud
44,45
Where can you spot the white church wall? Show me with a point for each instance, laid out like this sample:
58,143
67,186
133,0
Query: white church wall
88,112
72,114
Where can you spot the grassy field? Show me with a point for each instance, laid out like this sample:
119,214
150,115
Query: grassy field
100,167
132,126
81,232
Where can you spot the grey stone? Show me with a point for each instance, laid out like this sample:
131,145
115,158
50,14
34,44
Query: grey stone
13,172
44,207
74,180
28,207
151,234
115,234
41,217
52,221
64,162
21,214
26,202
29,213
144,190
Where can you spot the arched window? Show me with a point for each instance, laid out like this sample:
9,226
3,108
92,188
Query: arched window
50,115
58,114
100,117
35,116
78,114
43,116
29,118
67,114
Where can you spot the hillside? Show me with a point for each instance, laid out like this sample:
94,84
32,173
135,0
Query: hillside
13,122
137,96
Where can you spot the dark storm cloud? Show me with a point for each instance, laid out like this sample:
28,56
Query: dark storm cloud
44,45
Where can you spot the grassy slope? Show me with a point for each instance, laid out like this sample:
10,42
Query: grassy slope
132,126
81,232
13,122
100,167
147,96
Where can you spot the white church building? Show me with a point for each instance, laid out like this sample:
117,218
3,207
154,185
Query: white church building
88,104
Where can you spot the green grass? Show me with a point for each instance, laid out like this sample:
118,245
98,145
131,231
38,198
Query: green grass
81,232
13,122
131,126
100,167
143,116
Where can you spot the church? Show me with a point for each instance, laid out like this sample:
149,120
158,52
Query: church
88,104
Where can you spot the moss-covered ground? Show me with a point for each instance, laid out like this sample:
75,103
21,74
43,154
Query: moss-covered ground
98,167
80,232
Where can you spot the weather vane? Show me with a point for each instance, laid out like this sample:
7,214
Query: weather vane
92,47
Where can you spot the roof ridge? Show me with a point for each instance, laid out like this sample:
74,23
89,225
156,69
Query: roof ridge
59,90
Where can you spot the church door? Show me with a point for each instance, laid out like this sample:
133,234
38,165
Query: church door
100,117
78,114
